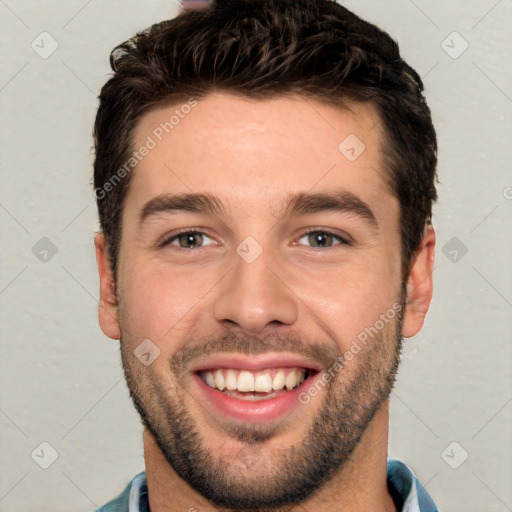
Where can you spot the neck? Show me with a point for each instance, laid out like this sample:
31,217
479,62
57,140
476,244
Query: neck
360,486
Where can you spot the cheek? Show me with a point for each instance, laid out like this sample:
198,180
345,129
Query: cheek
160,303
349,300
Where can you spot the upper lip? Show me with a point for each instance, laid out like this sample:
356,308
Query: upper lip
253,363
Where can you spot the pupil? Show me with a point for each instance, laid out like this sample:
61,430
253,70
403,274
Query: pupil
319,239
188,240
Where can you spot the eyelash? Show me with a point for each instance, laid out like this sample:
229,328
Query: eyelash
342,240
174,236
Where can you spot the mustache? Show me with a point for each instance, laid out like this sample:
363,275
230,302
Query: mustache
321,352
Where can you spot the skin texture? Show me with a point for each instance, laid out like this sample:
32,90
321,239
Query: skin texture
293,299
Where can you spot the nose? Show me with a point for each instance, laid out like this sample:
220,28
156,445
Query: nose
252,296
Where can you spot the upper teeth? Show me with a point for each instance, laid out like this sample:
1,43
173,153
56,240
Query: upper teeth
261,381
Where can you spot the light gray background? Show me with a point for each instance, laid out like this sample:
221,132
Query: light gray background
61,379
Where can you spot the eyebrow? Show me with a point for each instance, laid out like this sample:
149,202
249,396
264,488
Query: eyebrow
194,203
340,201
302,203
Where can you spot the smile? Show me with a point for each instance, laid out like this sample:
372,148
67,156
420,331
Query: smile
255,385
256,389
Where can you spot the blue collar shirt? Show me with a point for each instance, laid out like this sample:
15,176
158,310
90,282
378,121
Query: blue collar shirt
405,488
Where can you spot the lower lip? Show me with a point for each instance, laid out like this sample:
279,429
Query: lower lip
252,410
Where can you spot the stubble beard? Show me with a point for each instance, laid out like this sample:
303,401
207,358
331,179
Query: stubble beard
262,479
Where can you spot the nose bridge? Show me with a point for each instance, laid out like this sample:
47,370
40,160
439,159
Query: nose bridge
251,295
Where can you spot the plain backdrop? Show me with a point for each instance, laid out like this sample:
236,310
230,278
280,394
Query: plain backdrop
61,379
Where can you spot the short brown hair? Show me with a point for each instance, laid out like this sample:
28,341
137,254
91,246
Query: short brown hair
262,49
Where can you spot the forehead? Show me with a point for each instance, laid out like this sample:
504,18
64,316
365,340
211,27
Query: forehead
257,151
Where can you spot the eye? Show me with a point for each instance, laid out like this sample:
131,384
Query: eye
322,239
189,240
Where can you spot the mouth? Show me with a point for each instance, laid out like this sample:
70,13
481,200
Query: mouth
252,390
253,386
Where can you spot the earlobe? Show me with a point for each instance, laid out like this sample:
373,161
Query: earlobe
420,285
107,311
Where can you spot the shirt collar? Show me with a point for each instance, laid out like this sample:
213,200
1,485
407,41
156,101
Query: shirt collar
404,485
138,500
402,482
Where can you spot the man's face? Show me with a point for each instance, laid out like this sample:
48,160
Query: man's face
267,286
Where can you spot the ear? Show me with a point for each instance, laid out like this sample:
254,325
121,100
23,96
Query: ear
107,311
420,285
